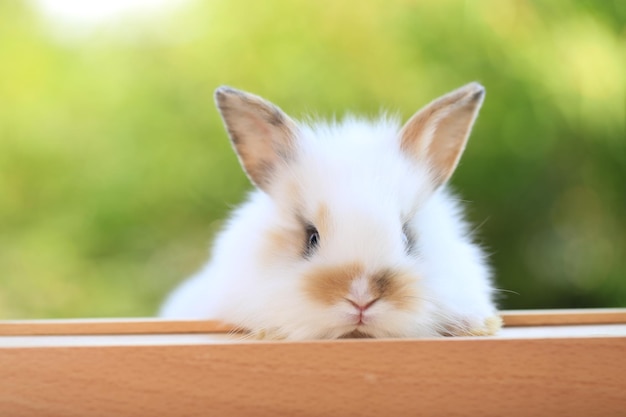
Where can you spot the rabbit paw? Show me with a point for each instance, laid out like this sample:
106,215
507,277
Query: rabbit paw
488,327
268,334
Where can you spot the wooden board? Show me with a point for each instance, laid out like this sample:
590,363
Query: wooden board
110,327
550,370
563,317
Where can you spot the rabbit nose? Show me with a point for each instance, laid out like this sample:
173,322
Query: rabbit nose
362,306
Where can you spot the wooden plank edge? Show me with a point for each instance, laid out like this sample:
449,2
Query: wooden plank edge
138,326
564,317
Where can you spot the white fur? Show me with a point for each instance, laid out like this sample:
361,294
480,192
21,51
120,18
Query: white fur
357,169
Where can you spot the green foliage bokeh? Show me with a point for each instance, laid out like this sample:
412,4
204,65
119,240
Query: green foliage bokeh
115,170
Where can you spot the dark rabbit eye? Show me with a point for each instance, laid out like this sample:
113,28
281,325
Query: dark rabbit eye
312,240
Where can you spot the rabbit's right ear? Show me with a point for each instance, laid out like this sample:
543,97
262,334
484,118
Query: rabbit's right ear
262,135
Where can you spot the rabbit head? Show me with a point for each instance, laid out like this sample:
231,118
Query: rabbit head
339,244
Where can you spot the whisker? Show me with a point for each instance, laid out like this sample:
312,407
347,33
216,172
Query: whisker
507,291
240,333
475,229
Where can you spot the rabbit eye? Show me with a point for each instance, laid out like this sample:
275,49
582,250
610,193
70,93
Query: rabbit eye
312,240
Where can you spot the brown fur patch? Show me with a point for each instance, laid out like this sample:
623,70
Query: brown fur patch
395,287
290,240
282,242
322,220
328,285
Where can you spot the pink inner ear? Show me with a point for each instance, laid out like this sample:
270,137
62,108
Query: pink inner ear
448,143
437,134
260,132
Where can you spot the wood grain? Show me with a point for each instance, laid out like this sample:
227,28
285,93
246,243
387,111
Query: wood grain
553,377
152,368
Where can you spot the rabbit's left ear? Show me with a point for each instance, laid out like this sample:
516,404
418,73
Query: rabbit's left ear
437,134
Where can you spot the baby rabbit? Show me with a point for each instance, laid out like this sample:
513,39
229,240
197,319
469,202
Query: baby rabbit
350,231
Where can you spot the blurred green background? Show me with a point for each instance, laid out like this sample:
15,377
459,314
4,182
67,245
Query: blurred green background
115,170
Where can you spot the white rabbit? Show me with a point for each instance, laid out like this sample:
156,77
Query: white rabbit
350,232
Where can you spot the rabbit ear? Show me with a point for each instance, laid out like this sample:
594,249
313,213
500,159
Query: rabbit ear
261,134
437,134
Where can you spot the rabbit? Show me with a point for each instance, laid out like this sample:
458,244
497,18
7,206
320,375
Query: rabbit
351,230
